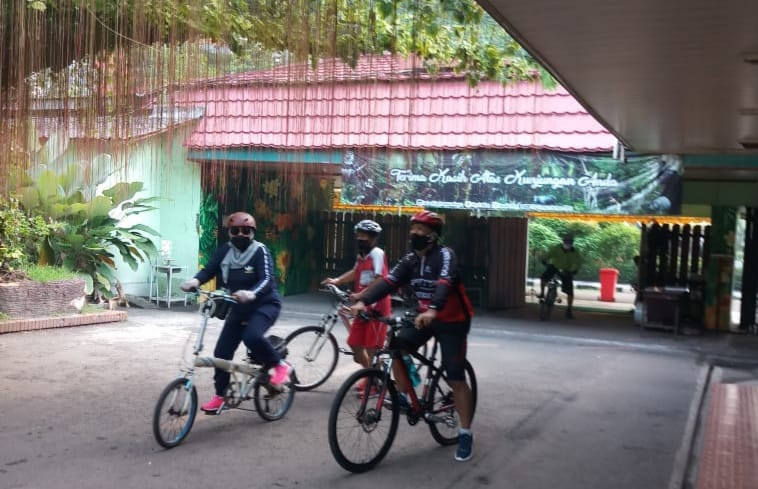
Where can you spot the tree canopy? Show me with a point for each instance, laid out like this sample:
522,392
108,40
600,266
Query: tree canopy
41,34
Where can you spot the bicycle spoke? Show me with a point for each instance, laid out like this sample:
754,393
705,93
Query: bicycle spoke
445,421
174,414
360,430
313,353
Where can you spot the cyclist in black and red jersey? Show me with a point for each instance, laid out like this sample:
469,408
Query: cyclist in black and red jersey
444,312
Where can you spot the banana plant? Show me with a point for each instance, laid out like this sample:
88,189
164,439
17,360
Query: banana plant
89,229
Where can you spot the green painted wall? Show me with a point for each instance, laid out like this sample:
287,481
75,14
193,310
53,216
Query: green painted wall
160,162
718,192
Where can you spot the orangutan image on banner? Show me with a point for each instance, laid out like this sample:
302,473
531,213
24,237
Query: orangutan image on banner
514,181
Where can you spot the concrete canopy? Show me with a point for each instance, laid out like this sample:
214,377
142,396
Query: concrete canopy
673,76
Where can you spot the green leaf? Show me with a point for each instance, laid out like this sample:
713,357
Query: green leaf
30,198
100,206
123,191
47,184
88,283
75,240
103,280
129,260
147,229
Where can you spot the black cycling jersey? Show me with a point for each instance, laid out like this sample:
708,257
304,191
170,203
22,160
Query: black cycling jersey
434,278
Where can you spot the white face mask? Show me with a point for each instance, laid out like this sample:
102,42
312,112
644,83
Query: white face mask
566,246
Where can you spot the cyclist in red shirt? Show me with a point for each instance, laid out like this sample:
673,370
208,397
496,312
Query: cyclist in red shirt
366,336
444,312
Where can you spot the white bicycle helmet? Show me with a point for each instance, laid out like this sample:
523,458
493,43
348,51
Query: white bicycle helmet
368,226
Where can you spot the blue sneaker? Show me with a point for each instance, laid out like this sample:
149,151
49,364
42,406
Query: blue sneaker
465,447
402,402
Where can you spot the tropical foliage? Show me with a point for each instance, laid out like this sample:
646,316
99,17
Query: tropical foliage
89,228
602,245
20,237
442,32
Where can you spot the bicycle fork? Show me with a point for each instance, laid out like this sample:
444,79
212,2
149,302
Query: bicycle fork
327,324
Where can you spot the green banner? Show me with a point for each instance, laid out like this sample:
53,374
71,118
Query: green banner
514,181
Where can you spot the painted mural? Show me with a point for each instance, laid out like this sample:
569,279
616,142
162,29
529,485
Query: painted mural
287,209
514,181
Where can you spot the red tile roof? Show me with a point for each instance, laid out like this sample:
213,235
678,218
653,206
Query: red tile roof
386,103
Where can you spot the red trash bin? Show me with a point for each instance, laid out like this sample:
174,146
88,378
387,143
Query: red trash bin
608,277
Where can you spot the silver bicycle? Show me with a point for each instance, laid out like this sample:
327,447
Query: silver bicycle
314,349
177,405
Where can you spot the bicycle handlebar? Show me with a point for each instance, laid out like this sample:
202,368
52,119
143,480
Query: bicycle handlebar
340,294
394,322
215,294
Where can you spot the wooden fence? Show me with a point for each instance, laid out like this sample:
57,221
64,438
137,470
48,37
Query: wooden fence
491,251
673,255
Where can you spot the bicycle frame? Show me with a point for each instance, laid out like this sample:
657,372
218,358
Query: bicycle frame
245,368
364,416
248,381
329,321
386,357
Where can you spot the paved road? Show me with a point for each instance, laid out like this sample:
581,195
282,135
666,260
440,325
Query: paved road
76,407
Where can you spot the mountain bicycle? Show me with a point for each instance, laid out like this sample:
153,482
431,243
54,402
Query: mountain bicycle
551,297
364,416
177,405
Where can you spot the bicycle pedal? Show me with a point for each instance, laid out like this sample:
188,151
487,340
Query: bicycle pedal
346,351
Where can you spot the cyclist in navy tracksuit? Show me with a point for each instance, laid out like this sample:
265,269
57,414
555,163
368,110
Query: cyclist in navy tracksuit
245,267
444,312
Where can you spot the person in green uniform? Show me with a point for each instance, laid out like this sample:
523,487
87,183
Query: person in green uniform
562,259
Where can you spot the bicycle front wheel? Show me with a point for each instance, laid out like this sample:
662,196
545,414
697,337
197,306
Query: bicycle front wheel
362,424
546,305
313,352
272,402
175,413
444,421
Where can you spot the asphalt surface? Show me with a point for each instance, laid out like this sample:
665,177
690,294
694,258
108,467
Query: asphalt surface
590,403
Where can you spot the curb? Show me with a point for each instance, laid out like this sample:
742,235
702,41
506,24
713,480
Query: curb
685,463
33,324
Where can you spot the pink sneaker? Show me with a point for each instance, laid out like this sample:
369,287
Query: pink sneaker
281,373
213,405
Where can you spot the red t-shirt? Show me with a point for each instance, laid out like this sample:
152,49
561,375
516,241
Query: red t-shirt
367,268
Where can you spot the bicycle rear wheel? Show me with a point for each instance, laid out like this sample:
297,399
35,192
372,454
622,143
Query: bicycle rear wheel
272,402
175,412
444,421
361,427
313,353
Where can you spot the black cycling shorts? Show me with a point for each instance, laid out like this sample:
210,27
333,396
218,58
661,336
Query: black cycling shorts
452,340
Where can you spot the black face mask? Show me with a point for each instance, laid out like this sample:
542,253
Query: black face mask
363,246
419,242
241,242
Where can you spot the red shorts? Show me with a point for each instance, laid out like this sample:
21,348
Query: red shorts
367,334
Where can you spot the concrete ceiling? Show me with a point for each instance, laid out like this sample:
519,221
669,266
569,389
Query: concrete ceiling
665,76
